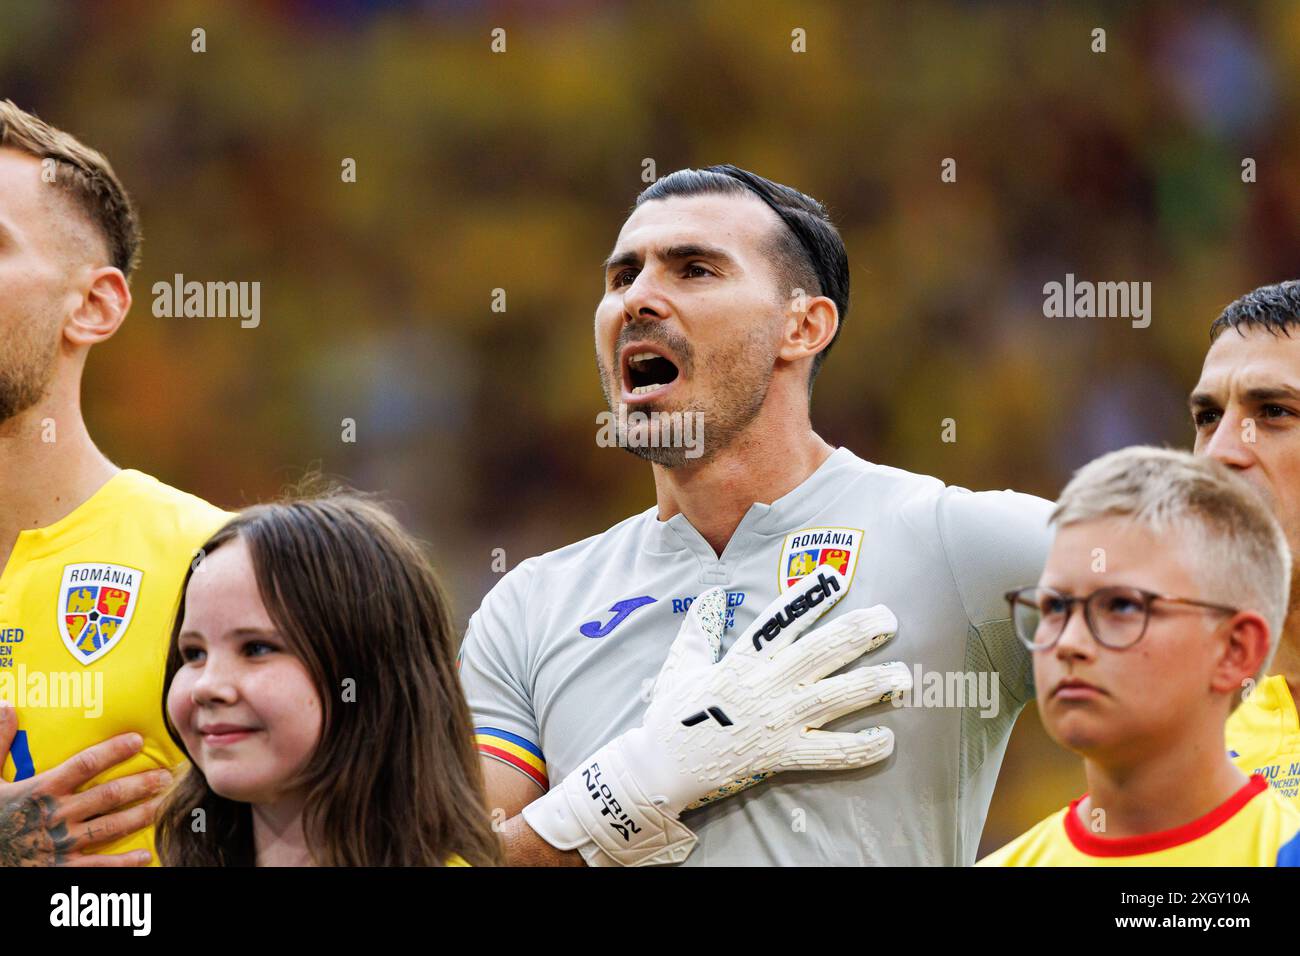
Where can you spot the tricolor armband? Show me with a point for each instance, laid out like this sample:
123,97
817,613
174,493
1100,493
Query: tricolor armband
520,753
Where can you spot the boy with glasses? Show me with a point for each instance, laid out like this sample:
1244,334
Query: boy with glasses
1164,590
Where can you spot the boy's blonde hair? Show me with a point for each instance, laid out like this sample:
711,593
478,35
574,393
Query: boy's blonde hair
1240,553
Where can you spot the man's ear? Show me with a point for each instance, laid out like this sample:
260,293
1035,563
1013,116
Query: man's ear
105,301
1244,651
811,322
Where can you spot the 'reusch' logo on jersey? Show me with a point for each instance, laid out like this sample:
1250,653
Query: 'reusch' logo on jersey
96,602
808,549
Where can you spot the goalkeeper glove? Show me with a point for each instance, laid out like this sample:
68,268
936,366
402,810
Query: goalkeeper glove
715,727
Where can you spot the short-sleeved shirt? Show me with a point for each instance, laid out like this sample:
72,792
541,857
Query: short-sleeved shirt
86,611
559,658
1253,827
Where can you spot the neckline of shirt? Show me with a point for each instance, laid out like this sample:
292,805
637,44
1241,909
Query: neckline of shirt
786,513
1091,844
78,523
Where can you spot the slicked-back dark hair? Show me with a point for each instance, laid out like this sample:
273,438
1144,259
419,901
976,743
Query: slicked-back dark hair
807,253
1274,308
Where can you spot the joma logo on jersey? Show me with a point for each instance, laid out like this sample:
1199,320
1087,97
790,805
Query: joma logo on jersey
621,611
800,606
96,603
623,824
809,548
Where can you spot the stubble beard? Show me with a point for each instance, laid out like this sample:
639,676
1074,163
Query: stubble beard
739,385
26,371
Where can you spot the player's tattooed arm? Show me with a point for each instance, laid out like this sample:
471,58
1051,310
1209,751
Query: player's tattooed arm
44,821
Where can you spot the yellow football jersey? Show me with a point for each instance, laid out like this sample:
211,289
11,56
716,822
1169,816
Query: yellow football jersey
1263,737
86,610
1253,827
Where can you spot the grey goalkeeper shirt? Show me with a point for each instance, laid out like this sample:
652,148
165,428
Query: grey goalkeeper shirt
558,659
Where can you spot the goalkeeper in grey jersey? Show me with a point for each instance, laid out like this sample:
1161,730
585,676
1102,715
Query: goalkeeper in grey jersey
795,656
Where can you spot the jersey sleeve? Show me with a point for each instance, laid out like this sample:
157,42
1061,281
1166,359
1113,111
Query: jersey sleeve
996,541
494,675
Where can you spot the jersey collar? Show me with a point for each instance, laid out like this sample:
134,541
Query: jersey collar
1092,845
81,521
796,507
803,502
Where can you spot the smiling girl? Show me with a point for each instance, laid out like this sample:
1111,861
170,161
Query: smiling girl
312,681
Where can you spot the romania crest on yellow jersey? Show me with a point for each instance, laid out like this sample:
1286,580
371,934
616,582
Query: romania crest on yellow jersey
95,606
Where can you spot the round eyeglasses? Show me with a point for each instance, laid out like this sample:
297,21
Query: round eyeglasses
1116,616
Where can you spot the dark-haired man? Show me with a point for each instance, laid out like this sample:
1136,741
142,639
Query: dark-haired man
723,295
91,556
1246,409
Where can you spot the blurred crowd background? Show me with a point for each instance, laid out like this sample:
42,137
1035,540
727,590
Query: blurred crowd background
478,171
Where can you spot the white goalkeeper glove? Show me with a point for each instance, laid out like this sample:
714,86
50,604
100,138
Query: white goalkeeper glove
715,727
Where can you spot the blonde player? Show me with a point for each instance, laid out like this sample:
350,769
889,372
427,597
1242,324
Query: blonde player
91,556
1164,590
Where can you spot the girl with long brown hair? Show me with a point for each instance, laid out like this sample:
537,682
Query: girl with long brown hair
312,681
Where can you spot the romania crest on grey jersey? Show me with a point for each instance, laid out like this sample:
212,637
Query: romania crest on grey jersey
809,548
96,602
